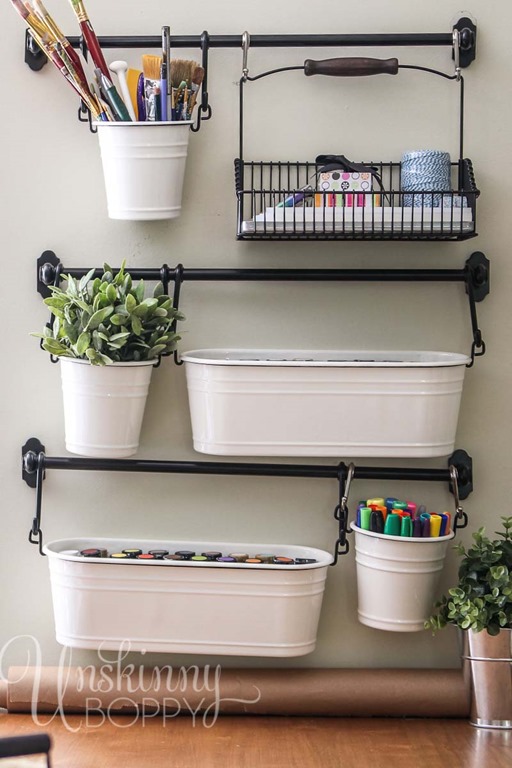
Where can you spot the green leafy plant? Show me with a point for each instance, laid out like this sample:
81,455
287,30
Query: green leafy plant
483,597
108,319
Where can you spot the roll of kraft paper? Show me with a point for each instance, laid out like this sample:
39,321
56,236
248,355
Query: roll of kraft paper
338,692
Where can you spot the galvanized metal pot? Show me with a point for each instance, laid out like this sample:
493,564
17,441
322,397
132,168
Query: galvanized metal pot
488,664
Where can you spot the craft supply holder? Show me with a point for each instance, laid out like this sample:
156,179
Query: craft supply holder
261,186
381,212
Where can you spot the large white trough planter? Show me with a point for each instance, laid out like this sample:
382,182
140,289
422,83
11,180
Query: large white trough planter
185,606
324,403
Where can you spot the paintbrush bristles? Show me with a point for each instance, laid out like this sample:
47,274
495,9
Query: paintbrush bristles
151,66
182,70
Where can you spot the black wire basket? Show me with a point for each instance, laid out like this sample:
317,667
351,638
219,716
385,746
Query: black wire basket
286,201
332,198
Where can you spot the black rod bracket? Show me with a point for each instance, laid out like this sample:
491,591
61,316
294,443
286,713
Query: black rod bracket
34,56
479,274
466,28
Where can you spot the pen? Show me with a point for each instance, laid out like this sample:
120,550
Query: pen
296,198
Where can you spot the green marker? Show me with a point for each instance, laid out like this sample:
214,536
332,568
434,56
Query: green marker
393,525
365,513
406,529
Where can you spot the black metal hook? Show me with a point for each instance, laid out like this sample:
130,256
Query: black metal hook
477,269
35,535
345,475
178,280
204,110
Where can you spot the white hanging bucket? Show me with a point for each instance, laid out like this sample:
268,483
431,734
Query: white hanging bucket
397,578
104,406
144,168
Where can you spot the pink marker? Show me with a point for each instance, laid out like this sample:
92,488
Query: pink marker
412,507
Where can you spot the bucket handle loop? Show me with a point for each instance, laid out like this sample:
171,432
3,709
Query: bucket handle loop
178,280
461,518
345,477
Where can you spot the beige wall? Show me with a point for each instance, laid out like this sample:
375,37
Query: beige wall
53,198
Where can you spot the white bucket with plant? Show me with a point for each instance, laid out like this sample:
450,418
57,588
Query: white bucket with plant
108,336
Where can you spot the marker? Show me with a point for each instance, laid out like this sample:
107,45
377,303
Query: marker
399,505
265,558
132,552
389,502
185,554
226,560
199,558
435,525
211,555
375,502
425,525
159,553
412,507
145,557
416,528
393,525
365,513
406,527
284,561
173,557
93,552
120,556
305,560
253,561
377,521
445,525
240,557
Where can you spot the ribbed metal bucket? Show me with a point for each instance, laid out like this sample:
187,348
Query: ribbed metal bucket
489,660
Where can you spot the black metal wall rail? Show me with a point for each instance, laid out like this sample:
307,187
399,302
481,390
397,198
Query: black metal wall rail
464,25
459,475
461,38
475,275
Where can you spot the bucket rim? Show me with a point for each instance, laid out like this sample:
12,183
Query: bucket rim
301,358
116,364
139,123
408,539
53,549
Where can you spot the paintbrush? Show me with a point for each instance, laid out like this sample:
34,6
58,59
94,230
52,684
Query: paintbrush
72,55
90,36
51,49
112,97
164,73
31,20
151,67
197,80
182,70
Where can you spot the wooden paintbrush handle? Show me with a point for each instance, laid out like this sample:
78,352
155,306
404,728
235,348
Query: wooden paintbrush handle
94,47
